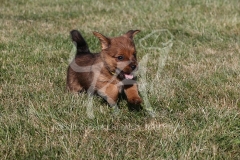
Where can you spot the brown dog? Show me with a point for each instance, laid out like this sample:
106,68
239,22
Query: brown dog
106,73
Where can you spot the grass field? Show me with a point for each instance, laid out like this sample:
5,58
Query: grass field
190,76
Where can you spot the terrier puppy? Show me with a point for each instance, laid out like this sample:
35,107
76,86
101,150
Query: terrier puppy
106,73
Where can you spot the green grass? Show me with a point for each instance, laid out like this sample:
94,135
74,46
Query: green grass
195,92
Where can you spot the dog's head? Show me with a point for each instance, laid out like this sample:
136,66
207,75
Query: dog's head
119,54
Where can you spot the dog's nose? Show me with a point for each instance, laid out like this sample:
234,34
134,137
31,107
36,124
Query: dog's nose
133,66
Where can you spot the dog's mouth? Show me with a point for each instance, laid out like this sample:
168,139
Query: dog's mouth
122,75
128,76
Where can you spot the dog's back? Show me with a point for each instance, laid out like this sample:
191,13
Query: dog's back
80,67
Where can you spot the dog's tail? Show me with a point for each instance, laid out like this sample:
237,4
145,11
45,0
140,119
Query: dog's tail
80,43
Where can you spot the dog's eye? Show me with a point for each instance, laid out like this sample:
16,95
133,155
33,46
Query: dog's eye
120,58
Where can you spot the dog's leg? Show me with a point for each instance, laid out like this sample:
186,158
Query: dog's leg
72,82
132,94
110,94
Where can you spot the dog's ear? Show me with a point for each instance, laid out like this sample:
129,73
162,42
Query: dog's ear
131,33
105,42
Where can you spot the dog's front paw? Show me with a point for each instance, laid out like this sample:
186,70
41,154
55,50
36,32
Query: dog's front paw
135,100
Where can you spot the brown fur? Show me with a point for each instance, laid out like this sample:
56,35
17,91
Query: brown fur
105,73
